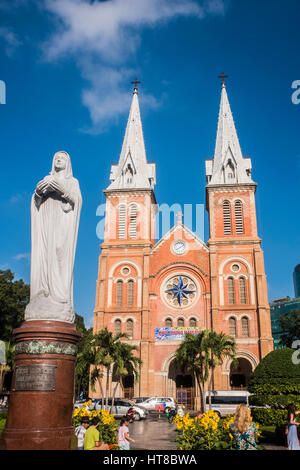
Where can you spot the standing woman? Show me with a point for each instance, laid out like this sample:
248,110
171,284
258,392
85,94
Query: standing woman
292,436
243,430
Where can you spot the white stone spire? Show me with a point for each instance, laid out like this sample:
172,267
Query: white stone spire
228,165
133,171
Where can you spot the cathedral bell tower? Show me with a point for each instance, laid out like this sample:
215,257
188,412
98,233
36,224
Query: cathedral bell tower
122,300
238,281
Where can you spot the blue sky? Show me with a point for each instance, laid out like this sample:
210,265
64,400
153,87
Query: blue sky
68,65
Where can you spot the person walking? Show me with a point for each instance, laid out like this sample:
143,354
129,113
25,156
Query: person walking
292,435
243,430
123,436
81,430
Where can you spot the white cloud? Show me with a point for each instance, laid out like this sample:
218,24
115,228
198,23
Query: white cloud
21,256
11,41
104,36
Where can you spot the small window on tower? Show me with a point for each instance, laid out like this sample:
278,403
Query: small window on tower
227,217
168,322
119,293
118,327
231,290
245,327
180,322
232,327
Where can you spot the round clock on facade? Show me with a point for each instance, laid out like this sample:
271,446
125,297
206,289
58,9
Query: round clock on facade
179,247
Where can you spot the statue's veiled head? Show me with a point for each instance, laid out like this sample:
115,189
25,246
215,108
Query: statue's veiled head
62,163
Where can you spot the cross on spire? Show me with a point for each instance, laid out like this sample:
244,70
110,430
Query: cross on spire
135,83
223,78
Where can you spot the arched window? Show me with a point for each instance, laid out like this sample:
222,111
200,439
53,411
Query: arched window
122,221
129,328
130,292
193,322
118,326
243,290
119,293
232,327
180,322
168,322
227,217
245,327
231,290
132,220
239,220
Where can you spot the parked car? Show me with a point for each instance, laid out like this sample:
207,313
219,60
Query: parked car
153,402
80,403
138,400
121,407
225,402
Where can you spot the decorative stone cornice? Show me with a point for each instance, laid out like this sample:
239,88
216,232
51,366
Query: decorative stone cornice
39,347
181,263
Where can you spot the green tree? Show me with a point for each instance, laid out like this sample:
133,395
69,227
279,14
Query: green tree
8,365
14,296
290,327
192,355
83,362
104,350
125,362
218,346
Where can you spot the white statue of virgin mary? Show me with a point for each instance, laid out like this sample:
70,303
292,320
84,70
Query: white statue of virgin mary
55,212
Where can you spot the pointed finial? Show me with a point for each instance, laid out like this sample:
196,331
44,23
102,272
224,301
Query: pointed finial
179,216
223,79
135,83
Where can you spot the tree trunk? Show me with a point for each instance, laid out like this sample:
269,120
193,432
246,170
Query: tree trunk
107,386
113,397
201,394
210,388
102,392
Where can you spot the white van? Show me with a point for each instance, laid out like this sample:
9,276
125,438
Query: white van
224,402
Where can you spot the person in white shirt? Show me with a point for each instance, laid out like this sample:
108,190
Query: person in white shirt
81,430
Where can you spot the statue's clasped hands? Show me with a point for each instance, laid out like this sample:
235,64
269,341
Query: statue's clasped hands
49,184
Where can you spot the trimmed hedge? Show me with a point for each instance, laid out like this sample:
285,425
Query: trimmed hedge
268,416
274,384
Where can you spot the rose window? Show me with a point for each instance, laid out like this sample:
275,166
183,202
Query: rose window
180,291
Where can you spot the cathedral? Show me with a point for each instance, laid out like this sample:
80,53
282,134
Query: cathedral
157,291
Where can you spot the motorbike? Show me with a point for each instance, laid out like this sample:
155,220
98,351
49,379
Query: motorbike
171,415
130,414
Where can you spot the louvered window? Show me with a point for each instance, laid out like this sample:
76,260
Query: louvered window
245,327
193,322
118,326
130,292
232,327
169,322
129,328
122,221
231,290
239,221
243,290
132,221
180,322
119,293
227,217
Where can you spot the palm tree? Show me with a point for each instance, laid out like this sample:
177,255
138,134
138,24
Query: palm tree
105,347
218,347
192,355
125,362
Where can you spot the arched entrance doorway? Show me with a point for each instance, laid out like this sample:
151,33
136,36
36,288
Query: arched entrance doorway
239,375
182,385
123,386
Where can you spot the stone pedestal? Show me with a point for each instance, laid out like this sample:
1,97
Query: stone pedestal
42,392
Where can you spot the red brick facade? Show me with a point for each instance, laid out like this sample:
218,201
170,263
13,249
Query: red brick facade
226,276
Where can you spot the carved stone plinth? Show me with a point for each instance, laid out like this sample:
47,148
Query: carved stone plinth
41,400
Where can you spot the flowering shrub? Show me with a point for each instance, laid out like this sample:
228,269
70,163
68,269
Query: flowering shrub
208,432
107,427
